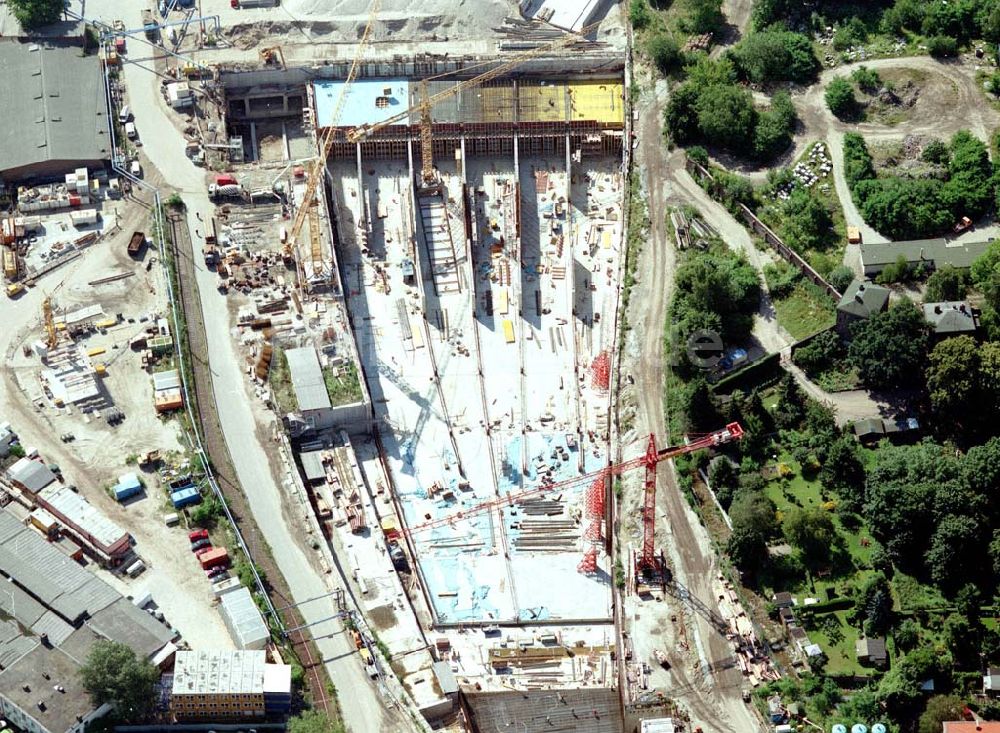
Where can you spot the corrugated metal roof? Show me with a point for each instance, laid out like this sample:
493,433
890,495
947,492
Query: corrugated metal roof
170,379
34,475
307,379
60,111
53,626
13,645
245,623
10,527
85,515
445,677
17,603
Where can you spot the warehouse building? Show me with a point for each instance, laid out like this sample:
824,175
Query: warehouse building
52,612
227,684
310,388
60,120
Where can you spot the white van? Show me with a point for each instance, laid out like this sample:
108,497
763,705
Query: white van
124,114
135,568
135,169
130,132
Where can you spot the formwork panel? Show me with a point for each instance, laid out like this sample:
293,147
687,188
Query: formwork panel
492,103
603,101
541,102
444,111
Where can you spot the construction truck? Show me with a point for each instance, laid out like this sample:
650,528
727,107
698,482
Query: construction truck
211,253
15,289
225,186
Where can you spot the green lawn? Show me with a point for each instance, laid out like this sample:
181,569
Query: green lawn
804,312
838,378
841,655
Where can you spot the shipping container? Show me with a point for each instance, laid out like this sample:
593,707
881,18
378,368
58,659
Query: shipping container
126,491
225,180
172,519
214,557
185,497
83,217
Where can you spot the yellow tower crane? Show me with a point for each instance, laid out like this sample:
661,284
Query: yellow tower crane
316,170
51,337
427,100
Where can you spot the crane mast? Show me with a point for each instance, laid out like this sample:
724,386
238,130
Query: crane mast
427,100
315,175
647,562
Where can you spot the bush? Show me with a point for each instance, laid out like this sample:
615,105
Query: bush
781,279
807,223
942,47
840,277
698,154
664,52
935,152
776,55
947,283
840,98
858,165
851,33
703,16
773,132
639,14
726,116
819,354
867,79
903,208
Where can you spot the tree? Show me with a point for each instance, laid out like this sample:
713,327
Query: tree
790,408
899,689
776,55
680,119
867,79
889,348
726,117
700,409
753,517
875,605
664,52
904,208
114,674
858,165
844,474
775,125
639,14
939,709
807,222
840,98
703,16
962,641
969,189
907,635
812,532
954,551
819,354
952,373
32,14
314,721
947,283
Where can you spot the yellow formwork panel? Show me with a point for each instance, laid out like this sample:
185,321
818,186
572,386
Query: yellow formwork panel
538,102
601,101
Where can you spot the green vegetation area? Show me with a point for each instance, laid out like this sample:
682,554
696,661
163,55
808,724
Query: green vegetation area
280,379
32,14
949,181
805,310
884,27
343,384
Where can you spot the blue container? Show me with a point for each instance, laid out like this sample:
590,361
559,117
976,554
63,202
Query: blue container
124,491
185,497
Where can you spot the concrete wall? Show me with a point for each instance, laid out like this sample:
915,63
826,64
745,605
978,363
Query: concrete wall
592,65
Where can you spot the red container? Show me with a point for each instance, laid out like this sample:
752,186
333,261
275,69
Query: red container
225,180
74,200
215,556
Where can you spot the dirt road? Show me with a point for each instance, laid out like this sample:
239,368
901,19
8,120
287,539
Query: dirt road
701,680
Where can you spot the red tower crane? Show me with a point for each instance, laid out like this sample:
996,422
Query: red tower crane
647,560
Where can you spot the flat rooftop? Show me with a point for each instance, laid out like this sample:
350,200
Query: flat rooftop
368,101
307,379
60,112
221,672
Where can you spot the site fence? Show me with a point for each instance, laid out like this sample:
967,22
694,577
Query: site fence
762,230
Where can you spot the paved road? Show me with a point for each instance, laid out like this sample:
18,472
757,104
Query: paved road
362,707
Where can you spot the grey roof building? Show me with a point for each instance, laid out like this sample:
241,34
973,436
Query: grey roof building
933,253
861,300
52,611
307,379
31,475
951,318
871,651
242,617
57,118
